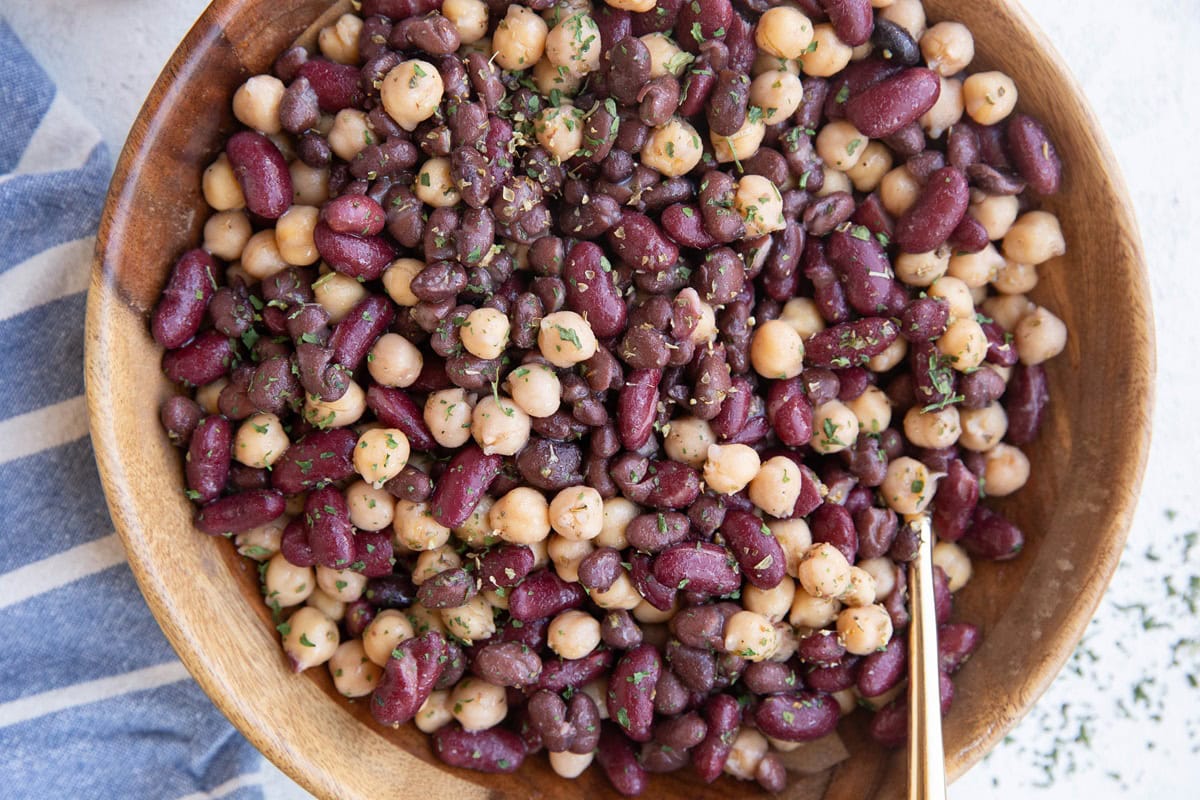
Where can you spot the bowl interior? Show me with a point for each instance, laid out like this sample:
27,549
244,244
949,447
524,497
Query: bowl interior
1087,463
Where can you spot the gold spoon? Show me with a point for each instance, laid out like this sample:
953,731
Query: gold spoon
926,758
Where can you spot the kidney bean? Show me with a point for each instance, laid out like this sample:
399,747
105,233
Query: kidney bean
1034,154
619,630
639,242
862,265
826,213
658,100
726,108
543,594
200,361
671,697
876,529
179,416
463,484
293,543
615,24
884,669
756,549
655,593
720,220
981,388
359,614
992,536
955,502
685,224
852,20
231,311
316,459
702,21
924,319
353,214
408,678
850,343
697,669
188,291
600,569
653,533
1025,401
994,181
373,554
558,674
956,642
832,524
395,409
894,103
772,677
550,465
494,750
232,401
288,63
712,383
722,715
937,212
798,717
262,173
889,725
450,588
591,290
627,69
700,566
631,691
969,237
934,381
330,535
681,733
358,330
923,165
391,591
208,458
507,664
240,512
619,761
833,678
894,43
636,403
821,648
364,257
701,627
505,566
672,485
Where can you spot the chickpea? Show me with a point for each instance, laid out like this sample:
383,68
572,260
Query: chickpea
476,531
989,96
743,144
349,134
891,356
566,555
260,441
414,526
573,634
899,190
309,638
826,55
337,294
861,591
673,149
948,48
637,7
371,509
477,704
430,563
777,351
469,17
976,269
1035,238
621,595
256,103
907,487
574,43
996,213
394,361
1014,278
397,281
559,129
535,389
947,111
549,78
618,513
824,571
1008,310
520,39
339,42
565,339
577,513
932,429
471,622
883,571
1040,336
795,538
957,294
835,427
424,619
687,439
784,31
286,584
1006,470
868,172
435,712
412,90
873,408
343,585
448,413
354,675
209,394
809,611
778,92
908,14
294,235
498,425
760,205
380,455
570,765
955,562
776,486
226,234
765,62
262,542
803,314
751,636
749,746
774,603
665,56
864,630
729,468
485,332
706,326
983,428
435,185
964,344
310,185
840,145
923,269
346,410
261,257
522,516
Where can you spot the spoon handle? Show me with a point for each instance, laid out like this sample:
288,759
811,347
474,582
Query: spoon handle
926,758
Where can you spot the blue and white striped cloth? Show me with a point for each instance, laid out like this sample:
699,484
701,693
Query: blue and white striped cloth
93,701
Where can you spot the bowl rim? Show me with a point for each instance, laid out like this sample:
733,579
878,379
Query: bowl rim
102,297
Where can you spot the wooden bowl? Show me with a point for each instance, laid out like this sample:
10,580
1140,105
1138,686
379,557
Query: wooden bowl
1087,463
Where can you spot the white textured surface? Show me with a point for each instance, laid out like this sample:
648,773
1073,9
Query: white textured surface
1124,719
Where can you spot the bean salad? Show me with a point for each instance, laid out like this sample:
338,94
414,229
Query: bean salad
577,372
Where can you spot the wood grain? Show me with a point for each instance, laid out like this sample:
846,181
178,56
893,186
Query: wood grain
1087,464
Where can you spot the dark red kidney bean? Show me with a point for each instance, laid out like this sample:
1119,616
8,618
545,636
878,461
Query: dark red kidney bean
630,695
876,528
883,669
699,566
179,417
316,459
726,108
955,502
894,43
462,485
391,591
619,761
450,588
739,41
240,512
395,409
671,697
720,220
826,213
701,627
832,524
702,21
615,24
821,648
798,717
723,716
262,173
790,413
620,631
771,774
923,165
652,533
962,146
373,554
208,458
712,383
364,257
591,220
231,311
969,237
200,361
505,566
994,181
408,678
772,677
735,409
992,536
658,100
636,407
327,519
600,569
863,267
810,111
981,388
507,664
810,492
359,614
833,678
852,382
399,10
924,319
529,634
558,674
685,224
336,85
943,600
188,291
1034,155
672,485
354,214
627,68
874,217
756,549
720,277
660,758
1000,350
827,289
956,642
933,381
850,343
358,330
288,64
681,733
639,242
455,668
592,291
852,20
293,543
698,84
889,725
584,717
1025,401
937,212
550,465
494,750
860,498
655,593
543,594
